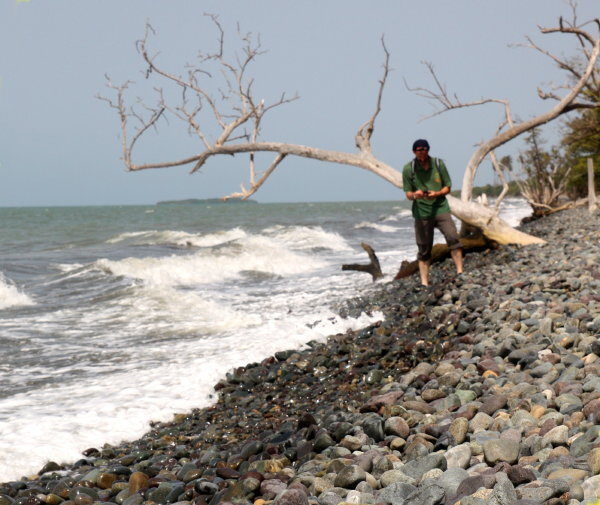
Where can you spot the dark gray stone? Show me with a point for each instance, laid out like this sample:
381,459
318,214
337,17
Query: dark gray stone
396,493
420,466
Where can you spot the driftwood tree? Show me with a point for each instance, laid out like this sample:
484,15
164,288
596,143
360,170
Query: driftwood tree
544,176
239,117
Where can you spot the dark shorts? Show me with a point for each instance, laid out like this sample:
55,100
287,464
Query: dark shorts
424,229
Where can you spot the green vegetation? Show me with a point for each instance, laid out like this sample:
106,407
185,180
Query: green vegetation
581,140
492,190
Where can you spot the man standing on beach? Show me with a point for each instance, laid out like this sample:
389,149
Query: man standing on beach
427,182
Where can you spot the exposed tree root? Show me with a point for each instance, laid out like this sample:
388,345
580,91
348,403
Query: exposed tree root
372,268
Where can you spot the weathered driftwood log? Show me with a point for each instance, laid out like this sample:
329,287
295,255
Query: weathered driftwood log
372,268
493,227
541,210
441,251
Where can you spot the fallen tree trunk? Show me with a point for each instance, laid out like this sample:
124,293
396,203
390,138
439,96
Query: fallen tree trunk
493,227
441,252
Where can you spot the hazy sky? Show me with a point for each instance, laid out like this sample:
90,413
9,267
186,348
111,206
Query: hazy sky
59,144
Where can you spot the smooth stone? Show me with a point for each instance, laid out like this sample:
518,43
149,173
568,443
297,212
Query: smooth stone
432,394
582,445
330,498
480,422
465,396
91,476
471,484
536,494
80,499
458,430
136,499
478,439
373,427
87,492
459,456
323,441
427,495
269,466
206,487
291,497
568,403
556,436
422,407
451,479
418,467
106,480
496,451
395,476
450,402
522,419
356,497
318,486
571,475
504,491
433,474
397,443
396,493
445,367
593,461
492,404
396,426
591,488
51,499
122,496
381,466
520,475
51,466
450,380
137,481
537,411
350,476
352,443
591,407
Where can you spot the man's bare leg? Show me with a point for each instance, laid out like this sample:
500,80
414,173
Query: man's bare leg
458,259
424,272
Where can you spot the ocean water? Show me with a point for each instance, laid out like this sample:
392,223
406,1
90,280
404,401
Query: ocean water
112,317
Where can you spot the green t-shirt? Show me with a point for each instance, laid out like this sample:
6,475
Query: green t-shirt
434,179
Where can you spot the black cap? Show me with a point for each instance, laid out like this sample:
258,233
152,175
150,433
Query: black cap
420,143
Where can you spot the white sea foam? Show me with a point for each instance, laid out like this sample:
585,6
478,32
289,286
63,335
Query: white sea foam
11,296
253,253
513,210
305,237
115,407
383,228
179,238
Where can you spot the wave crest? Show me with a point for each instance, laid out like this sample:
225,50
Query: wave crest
10,296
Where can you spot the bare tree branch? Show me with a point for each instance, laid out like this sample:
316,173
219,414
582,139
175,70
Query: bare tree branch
365,132
238,117
446,102
500,173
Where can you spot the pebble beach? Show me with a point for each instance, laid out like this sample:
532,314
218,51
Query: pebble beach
483,389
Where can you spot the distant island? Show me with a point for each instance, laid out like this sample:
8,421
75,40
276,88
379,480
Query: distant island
211,201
